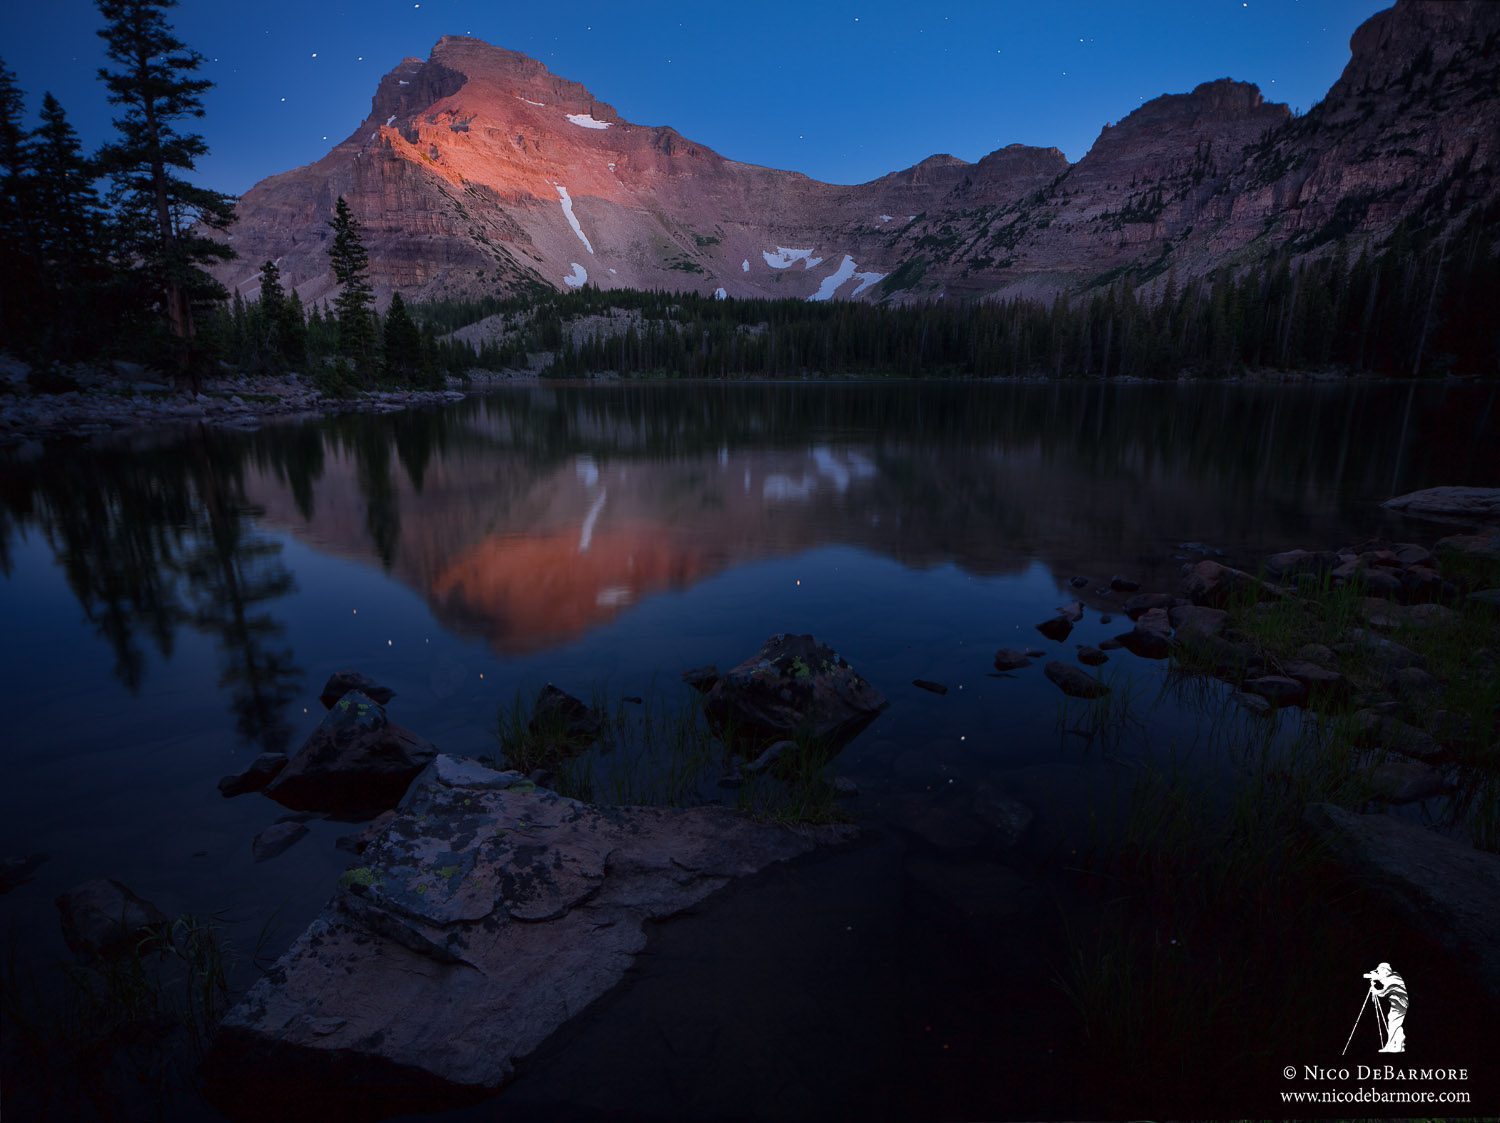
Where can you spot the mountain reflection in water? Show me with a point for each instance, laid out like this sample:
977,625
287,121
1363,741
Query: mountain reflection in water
530,516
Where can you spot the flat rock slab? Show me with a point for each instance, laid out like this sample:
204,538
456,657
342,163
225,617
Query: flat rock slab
1448,889
488,913
1449,502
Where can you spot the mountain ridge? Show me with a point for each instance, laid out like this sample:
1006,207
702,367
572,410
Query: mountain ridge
478,170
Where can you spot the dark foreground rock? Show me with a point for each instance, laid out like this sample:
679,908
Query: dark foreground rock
105,918
486,915
1448,889
357,762
565,721
792,687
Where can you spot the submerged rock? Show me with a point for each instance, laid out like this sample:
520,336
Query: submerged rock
792,687
1058,628
1091,656
1075,682
276,839
105,918
15,872
488,914
929,686
262,771
342,682
356,762
701,679
1009,659
1447,889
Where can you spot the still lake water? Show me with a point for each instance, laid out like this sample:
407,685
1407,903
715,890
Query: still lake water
173,602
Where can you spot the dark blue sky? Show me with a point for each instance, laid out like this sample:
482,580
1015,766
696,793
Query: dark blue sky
841,91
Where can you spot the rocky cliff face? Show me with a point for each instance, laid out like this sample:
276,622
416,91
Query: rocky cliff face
478,170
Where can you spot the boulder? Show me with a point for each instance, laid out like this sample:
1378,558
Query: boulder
105,918
1279,690
564,721
1075,682
1009,659
1372,729
262,771
1476,503
1193,621
342,682
1447,889
1142,603
1212,584
1057,629
1151,638
792,687
1480,547
1402,781
1290,563
484,918
357,762
1072,612
1380,650
1123,584
276,839
1319,683
1091,656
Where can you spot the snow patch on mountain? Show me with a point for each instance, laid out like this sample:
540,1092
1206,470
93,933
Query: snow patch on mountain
865,281
578,278
831,283
745,266
720,294
586,121
567,206
391,120
785,257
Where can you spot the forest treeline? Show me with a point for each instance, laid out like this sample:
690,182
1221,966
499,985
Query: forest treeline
106,256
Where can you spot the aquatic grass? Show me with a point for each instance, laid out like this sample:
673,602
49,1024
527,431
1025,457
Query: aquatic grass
141,1019
1106,720
797,789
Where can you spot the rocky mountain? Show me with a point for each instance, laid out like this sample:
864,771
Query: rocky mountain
479,171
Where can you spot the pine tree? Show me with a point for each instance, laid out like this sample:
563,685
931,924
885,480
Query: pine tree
272,310
15,211
162,218
403,345
67,236
353,306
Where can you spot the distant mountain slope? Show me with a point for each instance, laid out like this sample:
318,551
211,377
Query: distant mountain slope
478,170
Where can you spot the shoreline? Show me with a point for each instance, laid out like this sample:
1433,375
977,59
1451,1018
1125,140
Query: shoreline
133,401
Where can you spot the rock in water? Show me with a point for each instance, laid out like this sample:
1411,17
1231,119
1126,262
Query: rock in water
356,762
104,918
1447,889
1058,628
1211,584
564,720
1009,659
342,682
701,679
276,839
792,687
262,771
1074,682
1449,502
1091,655
488,914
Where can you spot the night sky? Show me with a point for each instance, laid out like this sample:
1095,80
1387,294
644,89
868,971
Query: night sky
842,91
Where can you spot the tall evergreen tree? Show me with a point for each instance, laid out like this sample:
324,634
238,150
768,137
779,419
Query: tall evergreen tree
356,299
15,211
162,218
403,345
67,233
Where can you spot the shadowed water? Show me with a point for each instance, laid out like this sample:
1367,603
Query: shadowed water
174,601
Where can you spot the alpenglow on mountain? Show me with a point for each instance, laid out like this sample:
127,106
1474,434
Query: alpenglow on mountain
480,171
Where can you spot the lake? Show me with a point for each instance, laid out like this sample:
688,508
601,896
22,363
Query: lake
173,603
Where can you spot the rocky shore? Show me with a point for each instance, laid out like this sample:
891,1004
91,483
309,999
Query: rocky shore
130,398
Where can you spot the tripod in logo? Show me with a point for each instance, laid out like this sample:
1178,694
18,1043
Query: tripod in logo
1389,1019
